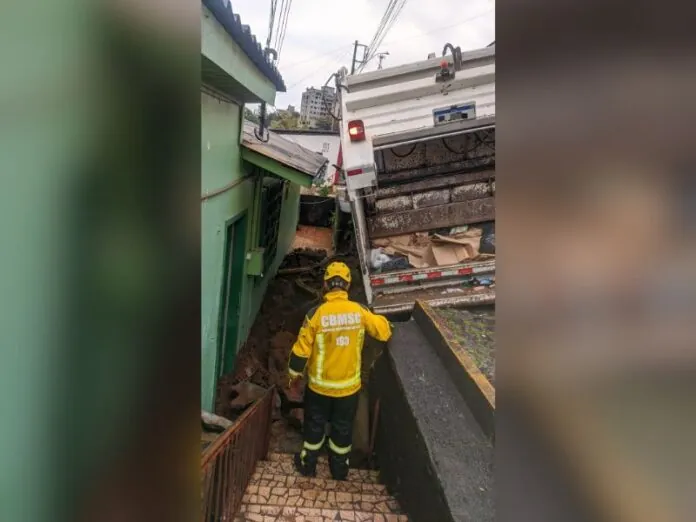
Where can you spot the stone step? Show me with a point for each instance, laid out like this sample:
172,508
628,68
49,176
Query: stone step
272,480
321,498
264,513
282,464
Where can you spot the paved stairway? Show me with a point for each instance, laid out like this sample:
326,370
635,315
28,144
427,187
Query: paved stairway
277,493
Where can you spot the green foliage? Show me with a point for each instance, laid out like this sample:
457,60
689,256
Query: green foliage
251,115
284,120
324,124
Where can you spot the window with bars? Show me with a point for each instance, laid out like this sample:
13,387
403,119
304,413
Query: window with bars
271,206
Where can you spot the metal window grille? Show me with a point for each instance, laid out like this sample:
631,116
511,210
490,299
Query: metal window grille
271,206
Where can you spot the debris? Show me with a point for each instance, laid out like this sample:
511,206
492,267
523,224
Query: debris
316,293
246,393
280,346
262,360
488,240
215,420
378,258
396,263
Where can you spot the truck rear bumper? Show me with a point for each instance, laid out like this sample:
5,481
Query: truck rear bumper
435,297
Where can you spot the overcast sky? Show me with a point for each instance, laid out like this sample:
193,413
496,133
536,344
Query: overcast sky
320,34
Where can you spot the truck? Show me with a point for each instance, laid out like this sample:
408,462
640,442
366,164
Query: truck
418,177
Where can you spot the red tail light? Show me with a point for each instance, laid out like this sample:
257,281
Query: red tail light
356,130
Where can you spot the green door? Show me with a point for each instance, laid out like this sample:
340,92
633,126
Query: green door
233,278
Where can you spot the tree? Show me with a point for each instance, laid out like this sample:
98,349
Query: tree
251,115
324,124
284,120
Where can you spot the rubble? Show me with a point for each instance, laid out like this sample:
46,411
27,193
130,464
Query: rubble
263,360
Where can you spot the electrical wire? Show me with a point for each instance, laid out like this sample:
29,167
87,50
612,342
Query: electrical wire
382,24
271,22
380,27
279,12
284,28
326,105
438,29
332,58
390,24
322,55
391,14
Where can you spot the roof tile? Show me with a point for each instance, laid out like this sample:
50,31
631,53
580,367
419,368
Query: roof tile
242,36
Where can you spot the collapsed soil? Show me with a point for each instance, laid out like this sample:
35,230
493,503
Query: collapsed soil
263,359
474,331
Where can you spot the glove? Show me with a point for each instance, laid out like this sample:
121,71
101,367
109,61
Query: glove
293,379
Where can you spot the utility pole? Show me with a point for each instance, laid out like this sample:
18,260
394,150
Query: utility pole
381,57
355,56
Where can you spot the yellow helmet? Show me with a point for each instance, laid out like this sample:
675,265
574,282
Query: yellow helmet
337,269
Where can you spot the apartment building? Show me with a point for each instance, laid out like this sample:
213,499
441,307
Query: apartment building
316,104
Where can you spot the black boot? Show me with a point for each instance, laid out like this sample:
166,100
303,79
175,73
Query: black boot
338,465
306,464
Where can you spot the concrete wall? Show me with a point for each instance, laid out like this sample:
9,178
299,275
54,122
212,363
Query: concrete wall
221,167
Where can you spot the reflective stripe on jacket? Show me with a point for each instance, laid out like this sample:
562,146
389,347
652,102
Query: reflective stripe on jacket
330,344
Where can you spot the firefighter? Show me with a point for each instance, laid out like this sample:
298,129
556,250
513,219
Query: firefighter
329,346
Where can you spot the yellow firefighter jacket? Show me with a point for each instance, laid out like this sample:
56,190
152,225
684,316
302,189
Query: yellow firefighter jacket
330,344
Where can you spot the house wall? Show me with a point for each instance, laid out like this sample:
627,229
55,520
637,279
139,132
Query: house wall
234,71
222,166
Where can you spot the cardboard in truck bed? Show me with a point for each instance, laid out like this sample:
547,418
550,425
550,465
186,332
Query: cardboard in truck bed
440,250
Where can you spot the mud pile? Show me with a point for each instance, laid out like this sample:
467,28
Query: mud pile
263,359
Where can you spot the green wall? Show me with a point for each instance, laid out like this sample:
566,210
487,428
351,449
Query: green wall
221,165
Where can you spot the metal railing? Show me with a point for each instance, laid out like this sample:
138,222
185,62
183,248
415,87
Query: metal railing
229,462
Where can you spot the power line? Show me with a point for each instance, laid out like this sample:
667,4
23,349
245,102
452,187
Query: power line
390,24
332,58
327,53
437,29
380,27
278,21
284,28
271,21
383,22
391,14
415,37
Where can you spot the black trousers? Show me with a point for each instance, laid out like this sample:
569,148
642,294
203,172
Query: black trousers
339,412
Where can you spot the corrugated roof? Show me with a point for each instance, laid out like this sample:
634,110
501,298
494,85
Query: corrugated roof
285,151
241,34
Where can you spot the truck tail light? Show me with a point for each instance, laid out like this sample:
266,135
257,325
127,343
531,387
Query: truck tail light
356,130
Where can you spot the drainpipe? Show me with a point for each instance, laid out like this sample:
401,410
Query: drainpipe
262,133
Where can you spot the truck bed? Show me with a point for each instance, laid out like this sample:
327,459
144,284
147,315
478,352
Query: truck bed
422,166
